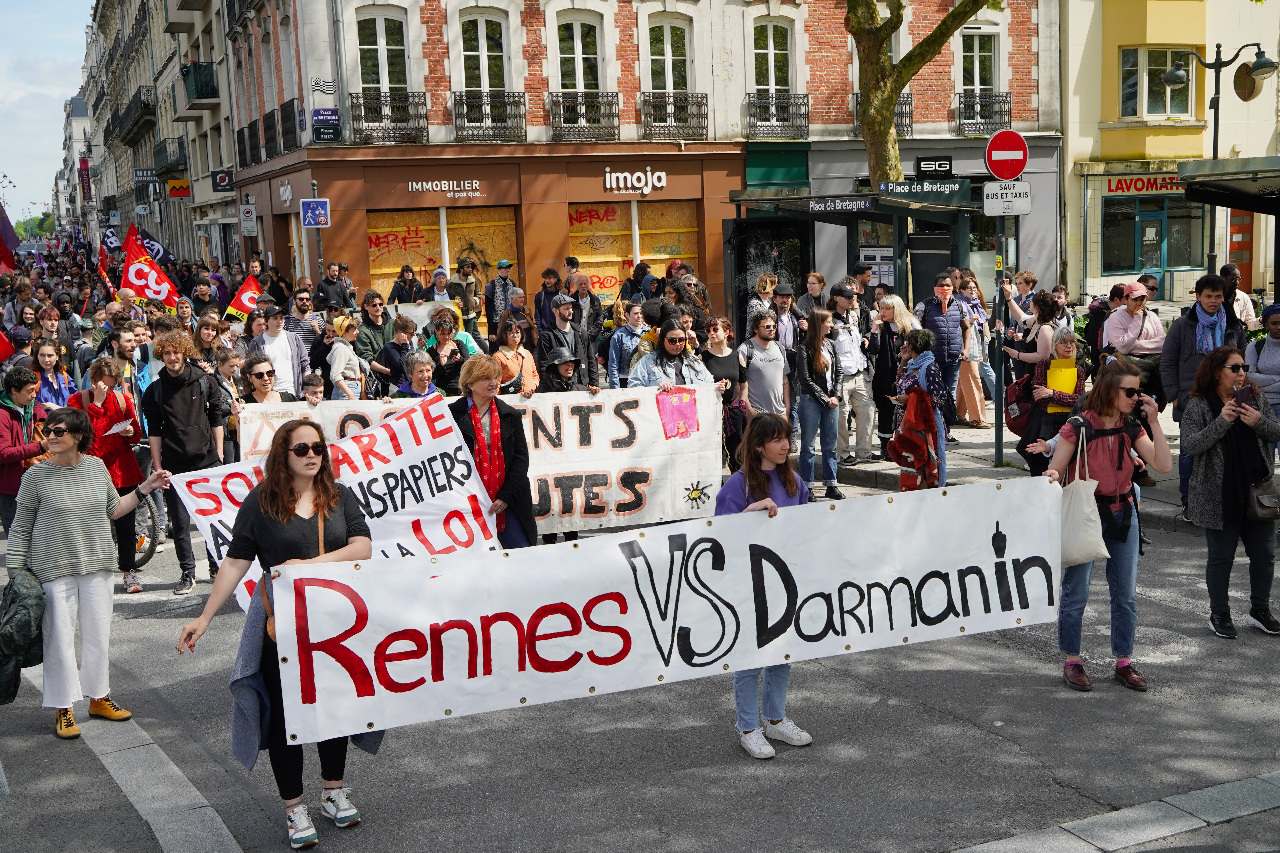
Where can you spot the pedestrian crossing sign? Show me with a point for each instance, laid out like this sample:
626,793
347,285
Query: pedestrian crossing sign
315,212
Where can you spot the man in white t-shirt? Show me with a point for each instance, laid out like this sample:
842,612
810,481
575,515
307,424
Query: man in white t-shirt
288,355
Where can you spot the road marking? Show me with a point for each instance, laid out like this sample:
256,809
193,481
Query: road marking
178,814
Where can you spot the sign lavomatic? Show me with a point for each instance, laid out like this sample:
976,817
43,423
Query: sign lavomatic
1007,155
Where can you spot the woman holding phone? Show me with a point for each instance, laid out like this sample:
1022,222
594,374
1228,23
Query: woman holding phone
1226,429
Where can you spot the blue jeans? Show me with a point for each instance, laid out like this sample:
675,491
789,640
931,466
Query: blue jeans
513,535
1122,578
942,447
1185,463
815,417
752,689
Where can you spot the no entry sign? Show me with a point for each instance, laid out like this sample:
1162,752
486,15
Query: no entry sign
1006,155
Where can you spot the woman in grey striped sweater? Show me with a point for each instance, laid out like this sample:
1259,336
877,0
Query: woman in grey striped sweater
74,563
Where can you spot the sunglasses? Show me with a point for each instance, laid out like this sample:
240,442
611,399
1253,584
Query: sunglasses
1236,368
303,450
59,431
264,374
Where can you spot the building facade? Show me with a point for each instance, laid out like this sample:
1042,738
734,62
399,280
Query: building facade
1126,131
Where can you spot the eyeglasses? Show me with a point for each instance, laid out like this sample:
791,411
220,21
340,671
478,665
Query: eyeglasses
59,431
302,450
1236,368
264,374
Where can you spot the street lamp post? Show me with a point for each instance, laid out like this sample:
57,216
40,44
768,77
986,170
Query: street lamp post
1176,77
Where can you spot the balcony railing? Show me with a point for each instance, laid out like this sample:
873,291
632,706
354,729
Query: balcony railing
584,116
903,115
270,135
254,143
289,125
200,79
170,156
391,118
983,113
489,116
776,116
139,115
674,115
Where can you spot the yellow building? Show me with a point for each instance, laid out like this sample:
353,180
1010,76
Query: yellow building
1124,132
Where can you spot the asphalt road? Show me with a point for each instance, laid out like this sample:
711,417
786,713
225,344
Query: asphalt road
924,748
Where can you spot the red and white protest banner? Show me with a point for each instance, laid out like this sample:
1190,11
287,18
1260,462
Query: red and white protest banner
144,276
384,643
618,458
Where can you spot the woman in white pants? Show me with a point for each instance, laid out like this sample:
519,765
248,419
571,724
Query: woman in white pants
67,504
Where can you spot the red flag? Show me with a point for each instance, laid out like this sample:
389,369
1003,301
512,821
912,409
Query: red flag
246,299
144,276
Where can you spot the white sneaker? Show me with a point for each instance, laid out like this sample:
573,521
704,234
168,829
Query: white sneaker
787,732
132,583
338,808
301,831
755,744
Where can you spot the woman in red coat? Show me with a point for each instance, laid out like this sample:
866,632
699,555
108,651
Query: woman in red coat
108,407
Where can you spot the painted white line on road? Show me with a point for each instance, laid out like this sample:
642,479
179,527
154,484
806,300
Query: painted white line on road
181,818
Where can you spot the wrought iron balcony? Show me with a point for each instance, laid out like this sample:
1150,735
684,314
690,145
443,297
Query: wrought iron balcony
584,116
983,113
170,156
674,115
489,116
289,125
776,116
139,116
903,115
200,79
391,118
270,135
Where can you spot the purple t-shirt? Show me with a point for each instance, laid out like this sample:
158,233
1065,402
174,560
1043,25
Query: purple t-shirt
733,497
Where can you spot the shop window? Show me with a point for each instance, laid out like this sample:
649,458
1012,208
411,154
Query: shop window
484,55
384,61
668,58
1142,89
773,59
1151,234
579,56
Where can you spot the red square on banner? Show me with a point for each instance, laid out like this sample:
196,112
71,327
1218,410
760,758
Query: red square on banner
678,411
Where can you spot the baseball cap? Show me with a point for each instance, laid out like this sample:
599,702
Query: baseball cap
504,264
1134,288
561,299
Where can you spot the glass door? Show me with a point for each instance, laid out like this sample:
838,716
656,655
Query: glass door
1151,246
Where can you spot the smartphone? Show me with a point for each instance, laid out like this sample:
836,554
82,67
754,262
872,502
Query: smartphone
1245,396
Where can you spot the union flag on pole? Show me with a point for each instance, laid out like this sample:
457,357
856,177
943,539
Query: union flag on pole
143,276
246,299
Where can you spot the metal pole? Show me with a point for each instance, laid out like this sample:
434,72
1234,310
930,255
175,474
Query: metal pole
1000,311
315,193
1213,105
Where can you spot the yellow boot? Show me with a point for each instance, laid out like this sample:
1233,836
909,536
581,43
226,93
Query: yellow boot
65,725
107,709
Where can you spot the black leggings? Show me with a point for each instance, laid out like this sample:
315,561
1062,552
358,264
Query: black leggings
286,759
126,536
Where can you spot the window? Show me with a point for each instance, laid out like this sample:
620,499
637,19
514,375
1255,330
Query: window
773,59
1143,69
579,57
1151,233
668,58
384,62
484,63
977,63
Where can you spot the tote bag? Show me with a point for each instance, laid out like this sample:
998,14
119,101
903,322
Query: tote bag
1082,540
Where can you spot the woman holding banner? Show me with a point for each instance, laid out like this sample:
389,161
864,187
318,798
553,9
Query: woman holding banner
766,482
494,433
297,515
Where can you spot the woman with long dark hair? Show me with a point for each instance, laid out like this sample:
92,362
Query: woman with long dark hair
297,515
765,483
819,383
1227,428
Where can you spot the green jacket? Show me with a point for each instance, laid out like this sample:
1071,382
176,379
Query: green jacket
21,643
370,339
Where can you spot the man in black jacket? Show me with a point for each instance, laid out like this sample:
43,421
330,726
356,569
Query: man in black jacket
573,337
184,411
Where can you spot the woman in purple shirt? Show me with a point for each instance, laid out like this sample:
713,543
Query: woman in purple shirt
765,482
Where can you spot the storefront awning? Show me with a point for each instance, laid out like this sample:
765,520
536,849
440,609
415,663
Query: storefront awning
1251,183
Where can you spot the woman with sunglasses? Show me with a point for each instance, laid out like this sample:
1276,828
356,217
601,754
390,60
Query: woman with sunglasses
1111,433
75,563
1226,428
672,363
260,377
449,349
281,523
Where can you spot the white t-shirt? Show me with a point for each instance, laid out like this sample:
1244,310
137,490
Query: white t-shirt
277,350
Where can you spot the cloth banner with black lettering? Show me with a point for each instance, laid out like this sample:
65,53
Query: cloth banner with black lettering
384,643
618,458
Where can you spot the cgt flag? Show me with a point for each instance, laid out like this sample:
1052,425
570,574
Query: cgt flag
144,276
246,299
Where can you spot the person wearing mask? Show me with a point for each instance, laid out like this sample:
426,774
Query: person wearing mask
469,292
1263,358
814,296
184,411
392,355
519,375
1241,302
1228,427
285,349
623,345
1037,340
573,337
920,370
497,298
856,334
108,407
765,483
419,367
449,349
818,383
1137,333
1207,326
672,364
587,310
344,365
56,387
494,433
374,333
304,322
1057,386
895,321
260,381
1110,432
21,440
947,318
407,290
75,564
542,308
298,514
440,290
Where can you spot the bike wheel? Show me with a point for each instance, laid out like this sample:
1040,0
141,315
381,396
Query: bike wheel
146,530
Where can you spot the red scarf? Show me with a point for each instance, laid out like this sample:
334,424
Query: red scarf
489,461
